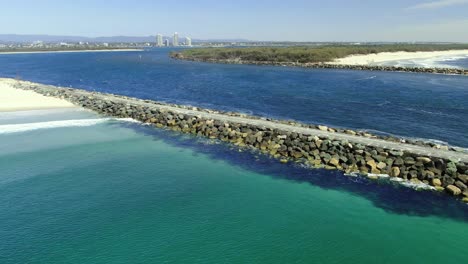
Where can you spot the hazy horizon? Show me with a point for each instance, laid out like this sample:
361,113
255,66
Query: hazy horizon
296,20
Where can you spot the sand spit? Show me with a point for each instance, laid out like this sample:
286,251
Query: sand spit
383,57
12,99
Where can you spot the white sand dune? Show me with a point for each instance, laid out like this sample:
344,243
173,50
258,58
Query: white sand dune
383,57
12,99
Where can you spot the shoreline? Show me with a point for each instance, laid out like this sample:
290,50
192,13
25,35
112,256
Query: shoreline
386,57
314,146
68,51
331,65
13,100
433,70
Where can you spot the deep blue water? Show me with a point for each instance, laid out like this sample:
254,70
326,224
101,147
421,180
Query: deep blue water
413,105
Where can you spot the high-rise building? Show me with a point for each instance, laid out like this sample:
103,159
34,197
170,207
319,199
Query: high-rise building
159,40
188,41
166,42
175,40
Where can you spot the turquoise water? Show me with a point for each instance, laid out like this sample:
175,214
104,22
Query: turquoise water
120,192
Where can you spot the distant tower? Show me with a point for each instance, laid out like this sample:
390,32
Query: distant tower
166,42
175,40
188,41
159,40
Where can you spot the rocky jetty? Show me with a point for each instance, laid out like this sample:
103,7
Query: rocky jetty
315,146
436,70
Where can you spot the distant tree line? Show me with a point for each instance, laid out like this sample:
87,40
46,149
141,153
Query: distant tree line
305,54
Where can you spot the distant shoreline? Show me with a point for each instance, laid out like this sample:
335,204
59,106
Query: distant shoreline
431,70
67,51
351,57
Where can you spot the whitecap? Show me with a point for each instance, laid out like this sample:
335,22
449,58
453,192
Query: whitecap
367,78
19,128
396,179
378,175
417,186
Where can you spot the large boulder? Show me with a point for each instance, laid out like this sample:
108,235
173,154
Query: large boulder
463,178
395,172
381,165
323,128
399,162
436,182
409,161
454,190
423,159
371,163
461,185
451,168
335,162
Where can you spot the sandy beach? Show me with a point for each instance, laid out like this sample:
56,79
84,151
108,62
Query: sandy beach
68,51
378,58
12,99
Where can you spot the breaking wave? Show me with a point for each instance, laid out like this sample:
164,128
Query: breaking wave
437,61
19,128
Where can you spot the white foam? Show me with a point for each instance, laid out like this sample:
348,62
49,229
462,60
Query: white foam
19,128
367,78
396,179
417,186
352,174
434,62
378,175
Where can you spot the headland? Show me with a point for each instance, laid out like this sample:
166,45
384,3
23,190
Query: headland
350,57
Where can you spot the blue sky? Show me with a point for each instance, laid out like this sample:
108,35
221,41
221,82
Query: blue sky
295,20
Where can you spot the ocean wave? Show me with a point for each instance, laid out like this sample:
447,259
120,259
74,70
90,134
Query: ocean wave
438,113
438,61
418,185
19,128
384,103
367,78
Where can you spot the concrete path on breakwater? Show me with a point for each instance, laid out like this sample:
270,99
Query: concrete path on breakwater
418,150
374,142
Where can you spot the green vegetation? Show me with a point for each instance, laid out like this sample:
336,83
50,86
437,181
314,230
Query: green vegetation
304,54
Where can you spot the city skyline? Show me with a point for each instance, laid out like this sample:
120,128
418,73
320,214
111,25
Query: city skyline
159,40
175,40
296,20
162,40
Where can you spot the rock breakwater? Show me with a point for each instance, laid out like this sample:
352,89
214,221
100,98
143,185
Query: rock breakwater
435,70
315,146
